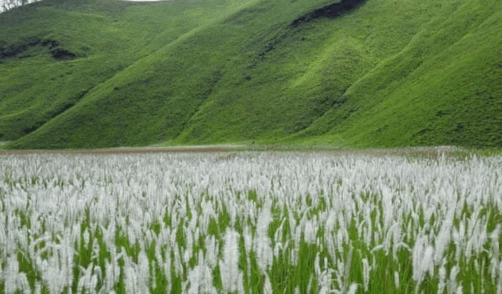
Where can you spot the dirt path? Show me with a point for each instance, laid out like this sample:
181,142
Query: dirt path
125,150
431,152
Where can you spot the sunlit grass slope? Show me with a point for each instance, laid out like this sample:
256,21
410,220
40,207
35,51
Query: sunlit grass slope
387,73
107,37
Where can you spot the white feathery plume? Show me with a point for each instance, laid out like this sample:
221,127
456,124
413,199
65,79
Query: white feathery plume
324,281
38,287
207,214
480,236
262,246
388,213
95,250
442,278
158,252
267,286
460,290
388,239
248,243
428,260
248,239
494,236
459,240
86,237
13,279
352,289
131,278
444,236
211,259
291,220
366,274
499,280
200,278
330,244
296,248
51,273
93,282
229,266
310,231
264,219
423,261
452,282
189,246
112,273
153,268
339,273
143,272
339,240
131,233
85,281
167,268
317,266
278,233
178,266
345,270
369,227
396,279
240,285
278,248
309,285
66,253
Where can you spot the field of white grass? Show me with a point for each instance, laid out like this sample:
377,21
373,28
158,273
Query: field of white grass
250,223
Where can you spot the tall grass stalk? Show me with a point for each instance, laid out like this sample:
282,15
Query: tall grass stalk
253,223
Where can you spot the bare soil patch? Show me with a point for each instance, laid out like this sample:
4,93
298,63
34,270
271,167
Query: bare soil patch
430,152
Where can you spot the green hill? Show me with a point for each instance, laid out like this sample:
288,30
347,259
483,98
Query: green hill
375,73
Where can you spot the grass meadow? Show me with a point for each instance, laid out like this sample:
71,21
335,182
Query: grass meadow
250,222
392,73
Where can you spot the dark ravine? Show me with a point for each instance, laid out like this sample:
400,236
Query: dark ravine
329,11
64,107
211,83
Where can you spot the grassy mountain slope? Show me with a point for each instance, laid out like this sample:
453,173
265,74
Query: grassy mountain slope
442,88
386,73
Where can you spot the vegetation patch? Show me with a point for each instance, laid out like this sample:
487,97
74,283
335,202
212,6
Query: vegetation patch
250,222
373,73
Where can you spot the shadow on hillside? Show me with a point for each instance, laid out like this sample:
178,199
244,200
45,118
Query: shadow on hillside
329,11
20,48
55,112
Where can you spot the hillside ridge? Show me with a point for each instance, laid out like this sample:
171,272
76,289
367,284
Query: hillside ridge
350,73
